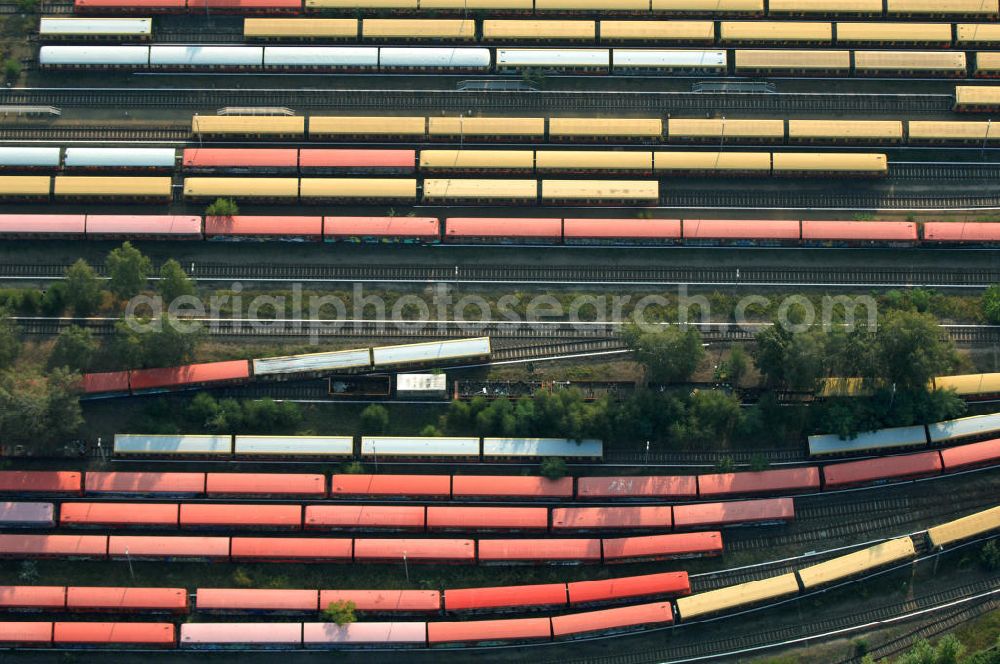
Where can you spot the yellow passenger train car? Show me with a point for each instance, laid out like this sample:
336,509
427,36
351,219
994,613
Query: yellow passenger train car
984,385
514,30
254,126
825,7
25,187
463,7
724,130
451,190
825,163
477,161
775,32
319,190
709,7
418,29
978,98
592,7
300,29
249,189
712,163
845,131
987,64
740,596
887,34
859,562
526,129
977,35
600,191
159,189
968,527
367,127
939,9
910,63
786,62
619,129
933,131
657,32
361,6
586,161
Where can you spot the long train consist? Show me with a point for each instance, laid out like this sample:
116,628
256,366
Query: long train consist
896,438
500,60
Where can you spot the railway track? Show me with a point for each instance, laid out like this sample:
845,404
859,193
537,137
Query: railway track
750,199
46,8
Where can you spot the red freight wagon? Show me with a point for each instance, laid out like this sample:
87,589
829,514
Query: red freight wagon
488,632
361,161
118,634
51,598
143,226
385,601
662,547
190,375
621,231
664,584
241,160
409,486
145,484
487,518
510,486
265,484
621,619
292,549
239,635
394,634
122,547
782,480
382,229
540,551
241,227
415,550
874,471
104,383
859,232
40,481
53,546
141,7
174,600
22,226
666,487
134,515
25,633
515,598
27,515
230,600
507,230
264,517
735,513
958,232
611,518
365,517
985,453
741,231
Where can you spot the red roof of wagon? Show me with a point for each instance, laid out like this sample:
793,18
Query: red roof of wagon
476,631
42,223
131,4
859,230
118,514
540,550
348,158
297,549
200,515
143,224
871,470
365,516
54,545
112,381
415,550
246,4
672,584
704,515
657,613
765,481
248,226
25,632
246,599
241,157
163,483
190,374
739,229
473,518
32,597
293,484
138,599
663,546
468,486
622,228
412,227
678,486
503,597
595,518
427,486
40,481
114,632
962,231
460,227
384,601
168,547
963,456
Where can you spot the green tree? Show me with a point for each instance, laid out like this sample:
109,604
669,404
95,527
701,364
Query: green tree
430,431
54,299
128,270
75,348
712,417
670,355
83,288
989,555
911,350
734,369
553,468
174,282
340,612
11,70
990,304
374,419
222,207
164,342
39,411
10,342
791,360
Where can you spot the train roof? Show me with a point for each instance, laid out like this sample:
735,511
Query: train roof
190,374
503,597
953,7
884,32
965,528
651,486
476,518
824,161
477,4
612,518
635,30
419,446
976,32
678,545
54,545
40,481
209,187
763,481
403,188
53,25
725,128
593,160
127,599
333,56
326,361
888,438
121,157
973,454
656,613
524,486
94,55
931,129
46,224
361,4
27,514
248,124
986,62
711,161
366,517
534,29
143,224
290,484
200,515
25,632
731,597
446,28
884,129
476,126
755,6
887,468
731,513
213,634
32,597
668,58
25,185
647,127
232,56
484,159
385,601
249,226
488,631
792,59
342,158
537,447
29,157
622,228
105,633
241,157
381,633
132,4
977,425
592,5
646,585
144,482
733,229
70,185
922,60
415,550
350,125
540,551
969,383
776,30
434,57
551,57
859,230
300,27
171,444
431,351
857,562
413,227
256,599
278,445
459,227
425,486
295,549
648,190
158,515
825,6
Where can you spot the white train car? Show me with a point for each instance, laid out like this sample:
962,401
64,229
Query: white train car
882,439
51,28
517,449
434,59
121,158
577,60
431,352
977,426
419,447
29,158
127,444
339,58
206,57
93,57
282,446
337,360
648,61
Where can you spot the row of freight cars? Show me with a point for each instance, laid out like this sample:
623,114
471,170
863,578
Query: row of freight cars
896,438
660,33
463,60
498,230
978,9
403,518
